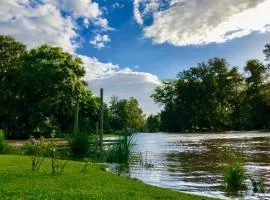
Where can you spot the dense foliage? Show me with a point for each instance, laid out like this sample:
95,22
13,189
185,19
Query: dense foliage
153,123
126,114
3,144
214,97
41,88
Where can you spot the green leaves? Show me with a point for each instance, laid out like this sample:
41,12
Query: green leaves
39,89
126,114
213,96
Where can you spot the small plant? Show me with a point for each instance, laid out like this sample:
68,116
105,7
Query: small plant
258,186
36,151
79,145
3,144
144,162
234,177
120,152
86,162
57,162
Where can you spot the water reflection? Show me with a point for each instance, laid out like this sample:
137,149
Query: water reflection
194,162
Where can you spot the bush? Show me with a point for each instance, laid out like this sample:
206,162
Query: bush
95,150
120,151
36,150
3,143
79,145
57,159
234,177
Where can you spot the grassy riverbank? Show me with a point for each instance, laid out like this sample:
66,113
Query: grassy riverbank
17,181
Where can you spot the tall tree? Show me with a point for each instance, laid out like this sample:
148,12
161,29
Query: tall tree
50,86
201,98
11,52
256,95
266,52
153,123
126,114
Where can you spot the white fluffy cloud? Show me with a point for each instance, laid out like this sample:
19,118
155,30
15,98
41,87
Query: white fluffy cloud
86,9
137,14
99,41
44,23
37,25
196,22
82,8
123,83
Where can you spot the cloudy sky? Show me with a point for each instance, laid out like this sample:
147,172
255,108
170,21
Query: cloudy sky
129,46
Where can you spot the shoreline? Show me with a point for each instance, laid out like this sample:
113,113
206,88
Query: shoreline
17,181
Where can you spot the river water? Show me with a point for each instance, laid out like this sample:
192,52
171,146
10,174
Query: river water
194,163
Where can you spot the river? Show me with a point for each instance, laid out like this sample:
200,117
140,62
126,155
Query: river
194,163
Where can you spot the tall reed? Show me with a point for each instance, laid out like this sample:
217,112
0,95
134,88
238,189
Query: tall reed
234,177
120,152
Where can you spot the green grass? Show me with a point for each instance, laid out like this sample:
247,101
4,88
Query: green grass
17,181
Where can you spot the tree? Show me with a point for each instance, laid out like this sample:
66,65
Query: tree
266,52
201,98
49,86
256,96
11,52
153,123
126,114
89,111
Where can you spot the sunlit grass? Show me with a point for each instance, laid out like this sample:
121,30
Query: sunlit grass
17,181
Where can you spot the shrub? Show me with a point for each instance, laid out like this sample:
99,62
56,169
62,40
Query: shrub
79,145
234,177
120,151
57,159
36,151
95,150
3,143
86,162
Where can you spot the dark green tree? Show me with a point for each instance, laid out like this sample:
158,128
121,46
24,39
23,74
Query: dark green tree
126,114
11,52
153,123
201,98
257,97
49,87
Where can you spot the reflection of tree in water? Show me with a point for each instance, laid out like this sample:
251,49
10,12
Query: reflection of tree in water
207,163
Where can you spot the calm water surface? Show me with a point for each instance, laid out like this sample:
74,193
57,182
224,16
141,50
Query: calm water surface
194,162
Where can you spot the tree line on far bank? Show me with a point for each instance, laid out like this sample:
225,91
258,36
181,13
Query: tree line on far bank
213,96
39,90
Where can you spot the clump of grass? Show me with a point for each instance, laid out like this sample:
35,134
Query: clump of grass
84,146
234,177
79,145
120,152
85,163
258,186
3,144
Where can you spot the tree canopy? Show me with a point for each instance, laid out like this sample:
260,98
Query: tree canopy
39,91
213,96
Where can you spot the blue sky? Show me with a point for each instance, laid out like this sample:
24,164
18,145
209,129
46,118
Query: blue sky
129,46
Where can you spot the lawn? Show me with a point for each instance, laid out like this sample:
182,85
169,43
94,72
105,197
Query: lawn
17,181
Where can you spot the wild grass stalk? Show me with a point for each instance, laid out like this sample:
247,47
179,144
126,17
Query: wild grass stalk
234,177
120,152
